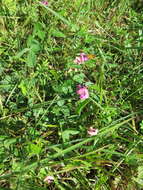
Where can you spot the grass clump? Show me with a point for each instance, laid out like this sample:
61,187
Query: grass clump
71,95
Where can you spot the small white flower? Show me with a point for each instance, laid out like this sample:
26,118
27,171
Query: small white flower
49,179
92,132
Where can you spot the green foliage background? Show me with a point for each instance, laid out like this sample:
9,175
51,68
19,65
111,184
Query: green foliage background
43,124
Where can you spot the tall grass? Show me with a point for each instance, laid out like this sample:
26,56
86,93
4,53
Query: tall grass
44,125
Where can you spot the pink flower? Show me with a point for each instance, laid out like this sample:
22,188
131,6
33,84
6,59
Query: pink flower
49,179
45,3
83,92
81,59
92,132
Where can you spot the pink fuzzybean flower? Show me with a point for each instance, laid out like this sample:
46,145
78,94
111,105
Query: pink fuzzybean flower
45,3
81,59
49,179
92,132
83,92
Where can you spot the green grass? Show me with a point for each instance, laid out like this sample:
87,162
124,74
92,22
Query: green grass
43,124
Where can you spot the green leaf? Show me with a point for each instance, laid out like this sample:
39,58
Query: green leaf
79,78
57,33
65,110
35,46
31,59
66,134
23,88
38,30
20,54
41,34
33,149
9,142
82,105
73,26
60,102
